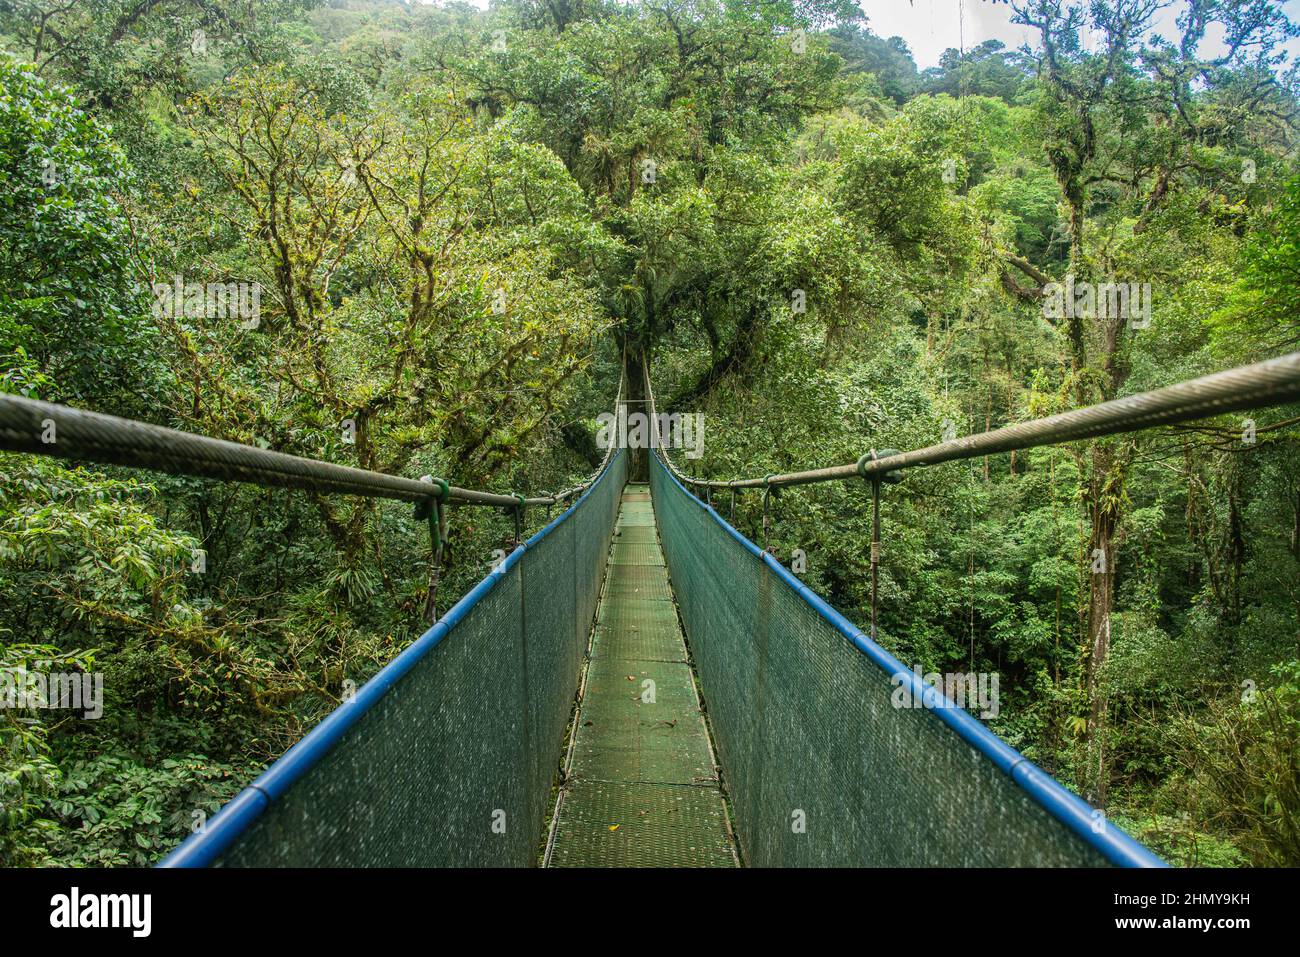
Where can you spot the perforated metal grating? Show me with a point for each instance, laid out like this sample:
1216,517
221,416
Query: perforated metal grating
643,789
640,628
639,581
613,824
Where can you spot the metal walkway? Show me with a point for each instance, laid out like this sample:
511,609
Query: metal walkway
642,787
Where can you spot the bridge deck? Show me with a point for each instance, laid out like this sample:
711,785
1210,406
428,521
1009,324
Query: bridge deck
642,788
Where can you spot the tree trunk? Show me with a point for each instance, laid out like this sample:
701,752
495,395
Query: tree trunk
1101,599
1107,474
634,377
738,354
1295,526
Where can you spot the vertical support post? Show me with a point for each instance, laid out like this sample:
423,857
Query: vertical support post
875,550
767,495
529,751
875,479
733,503
519,521
579,631
434,510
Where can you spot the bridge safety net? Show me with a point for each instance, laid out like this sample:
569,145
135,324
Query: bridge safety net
825,758
447,756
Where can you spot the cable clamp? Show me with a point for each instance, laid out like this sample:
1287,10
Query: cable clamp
424,507
891,478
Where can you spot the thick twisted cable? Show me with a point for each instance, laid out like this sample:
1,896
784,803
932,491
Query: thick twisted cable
1268,383
44,428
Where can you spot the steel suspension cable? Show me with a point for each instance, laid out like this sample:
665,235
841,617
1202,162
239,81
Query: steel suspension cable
1268,383
60,431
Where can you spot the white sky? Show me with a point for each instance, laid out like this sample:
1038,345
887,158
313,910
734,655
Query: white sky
932,26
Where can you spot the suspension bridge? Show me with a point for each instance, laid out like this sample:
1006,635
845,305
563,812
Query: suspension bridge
638,684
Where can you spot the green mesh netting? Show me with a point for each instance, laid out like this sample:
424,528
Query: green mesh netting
470,737
822,770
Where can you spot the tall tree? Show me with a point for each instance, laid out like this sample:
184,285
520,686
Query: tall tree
1095,106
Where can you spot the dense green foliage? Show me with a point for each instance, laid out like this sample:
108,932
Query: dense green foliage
459,219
